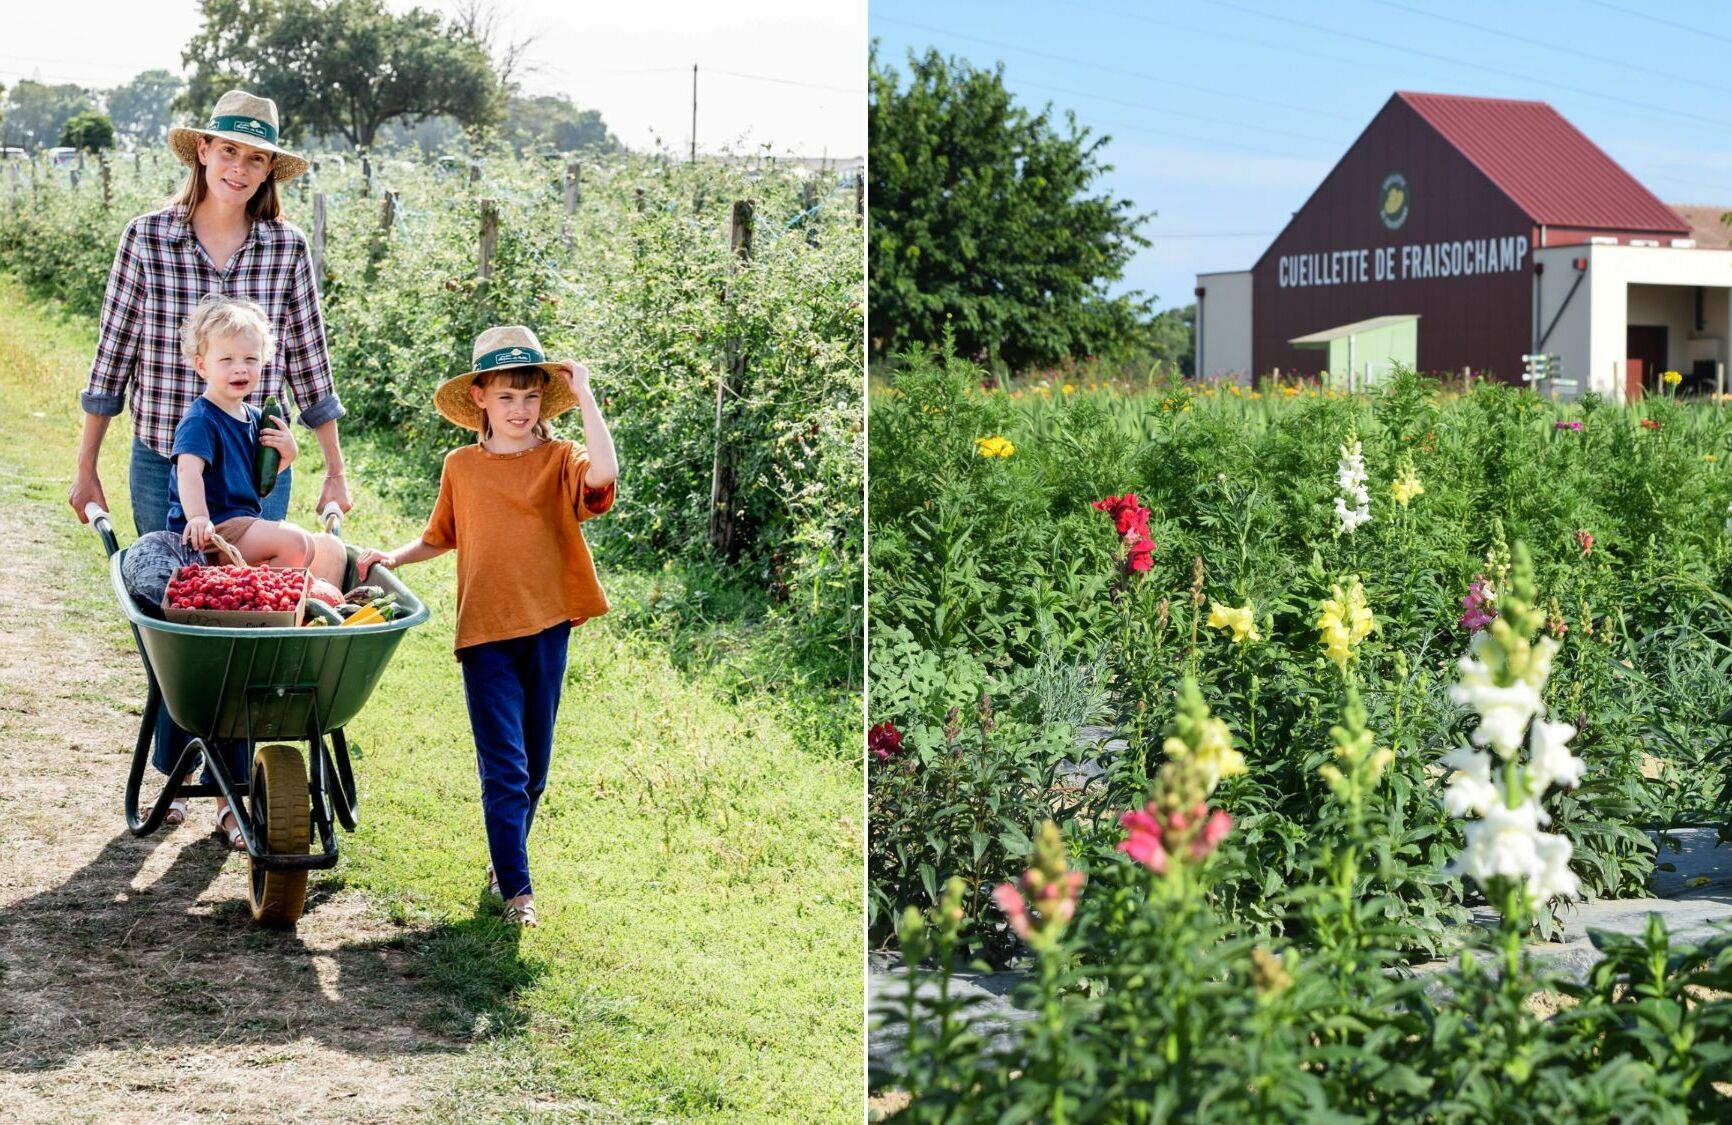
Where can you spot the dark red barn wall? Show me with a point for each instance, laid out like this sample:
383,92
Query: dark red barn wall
1482,321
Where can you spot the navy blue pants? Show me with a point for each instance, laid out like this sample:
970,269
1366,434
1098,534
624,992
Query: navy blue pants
148,480
512,688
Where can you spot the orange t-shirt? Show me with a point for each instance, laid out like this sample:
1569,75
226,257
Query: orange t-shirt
522,564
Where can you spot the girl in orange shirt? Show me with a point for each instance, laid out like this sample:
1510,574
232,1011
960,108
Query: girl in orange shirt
510,506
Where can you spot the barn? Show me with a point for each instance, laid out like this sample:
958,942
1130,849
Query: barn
1463,235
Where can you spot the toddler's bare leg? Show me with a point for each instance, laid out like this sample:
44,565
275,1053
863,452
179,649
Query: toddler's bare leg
329,559
271,543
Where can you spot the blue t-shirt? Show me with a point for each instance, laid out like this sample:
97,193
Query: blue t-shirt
230,450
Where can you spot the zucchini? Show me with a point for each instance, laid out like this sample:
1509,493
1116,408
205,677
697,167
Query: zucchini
268,457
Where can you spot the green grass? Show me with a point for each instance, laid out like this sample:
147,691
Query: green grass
697,858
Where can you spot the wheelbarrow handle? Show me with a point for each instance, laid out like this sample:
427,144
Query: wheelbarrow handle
333,517
104,525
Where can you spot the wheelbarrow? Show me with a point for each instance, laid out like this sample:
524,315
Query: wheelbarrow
273,685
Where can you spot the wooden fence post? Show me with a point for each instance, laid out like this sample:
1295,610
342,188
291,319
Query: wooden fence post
573,174
859,198
382,235
137,165
730,383
366,173
474,172
319,242
489,239
809,205
107,174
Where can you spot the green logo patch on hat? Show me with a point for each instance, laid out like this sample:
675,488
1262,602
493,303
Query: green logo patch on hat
509,357
250,126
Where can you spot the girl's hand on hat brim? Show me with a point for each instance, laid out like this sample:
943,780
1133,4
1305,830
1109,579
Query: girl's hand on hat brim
576,375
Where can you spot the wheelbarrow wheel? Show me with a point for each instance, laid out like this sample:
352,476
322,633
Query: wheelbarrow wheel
282,816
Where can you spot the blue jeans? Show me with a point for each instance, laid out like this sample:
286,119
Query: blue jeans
148,478
512,688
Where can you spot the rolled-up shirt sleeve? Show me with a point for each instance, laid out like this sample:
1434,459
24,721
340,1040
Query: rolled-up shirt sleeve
306,363
120,330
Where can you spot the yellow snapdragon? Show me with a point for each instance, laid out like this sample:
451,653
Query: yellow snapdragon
1242,621
1346,620
993,447
1406,486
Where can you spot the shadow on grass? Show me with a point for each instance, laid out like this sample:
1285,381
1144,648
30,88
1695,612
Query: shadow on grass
98,963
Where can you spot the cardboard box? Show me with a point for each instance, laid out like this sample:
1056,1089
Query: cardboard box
243,619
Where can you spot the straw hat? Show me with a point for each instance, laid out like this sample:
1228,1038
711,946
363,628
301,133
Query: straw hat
246,119
496,349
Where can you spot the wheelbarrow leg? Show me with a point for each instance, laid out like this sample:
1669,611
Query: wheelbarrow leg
144,826
337,779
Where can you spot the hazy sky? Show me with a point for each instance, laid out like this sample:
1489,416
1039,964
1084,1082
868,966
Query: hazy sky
1226,114
787,73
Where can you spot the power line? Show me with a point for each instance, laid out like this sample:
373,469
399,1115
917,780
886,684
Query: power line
1662,20
1607,60
1095,64
1205,118
788,81
1453,61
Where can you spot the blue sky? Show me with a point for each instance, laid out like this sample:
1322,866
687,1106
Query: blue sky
1226,114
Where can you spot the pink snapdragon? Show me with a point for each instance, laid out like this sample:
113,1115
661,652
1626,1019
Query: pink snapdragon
1157,836
1478,602
1562,425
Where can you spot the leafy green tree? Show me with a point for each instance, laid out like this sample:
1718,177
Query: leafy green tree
38,111
986,219
553,120
342,66
143,108
1172,339
92,132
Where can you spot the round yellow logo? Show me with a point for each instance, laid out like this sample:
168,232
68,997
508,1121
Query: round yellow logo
1392,200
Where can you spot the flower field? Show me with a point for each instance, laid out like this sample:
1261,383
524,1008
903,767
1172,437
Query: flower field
1218,709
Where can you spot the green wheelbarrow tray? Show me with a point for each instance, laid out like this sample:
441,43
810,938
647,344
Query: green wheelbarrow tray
252,685
263,684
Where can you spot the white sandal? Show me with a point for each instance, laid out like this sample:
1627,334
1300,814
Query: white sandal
176,813
521,913
237,842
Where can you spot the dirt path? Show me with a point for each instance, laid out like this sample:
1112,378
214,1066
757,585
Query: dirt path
133,986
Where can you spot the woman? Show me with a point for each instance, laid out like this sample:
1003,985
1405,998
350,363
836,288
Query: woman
222,234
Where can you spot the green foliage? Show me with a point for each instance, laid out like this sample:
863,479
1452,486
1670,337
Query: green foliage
1154,1005
646,292
553,122
143,108
345,66
36,111
987,573
92,132
987,222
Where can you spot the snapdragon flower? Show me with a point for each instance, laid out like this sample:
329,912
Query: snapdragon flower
1503,679
1350,477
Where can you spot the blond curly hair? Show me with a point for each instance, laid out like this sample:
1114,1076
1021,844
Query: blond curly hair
218,315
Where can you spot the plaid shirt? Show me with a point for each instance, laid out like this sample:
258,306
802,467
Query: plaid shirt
160,273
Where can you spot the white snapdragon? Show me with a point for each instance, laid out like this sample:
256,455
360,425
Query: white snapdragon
1498,791
1353,506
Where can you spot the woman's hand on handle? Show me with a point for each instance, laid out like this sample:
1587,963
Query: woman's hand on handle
335,491
86,490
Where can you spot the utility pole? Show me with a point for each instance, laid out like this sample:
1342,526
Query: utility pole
694,113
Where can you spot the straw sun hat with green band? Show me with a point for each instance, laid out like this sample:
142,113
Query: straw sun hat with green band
510,345
245,119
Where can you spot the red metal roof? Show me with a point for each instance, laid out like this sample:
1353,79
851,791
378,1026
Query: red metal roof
1545,164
